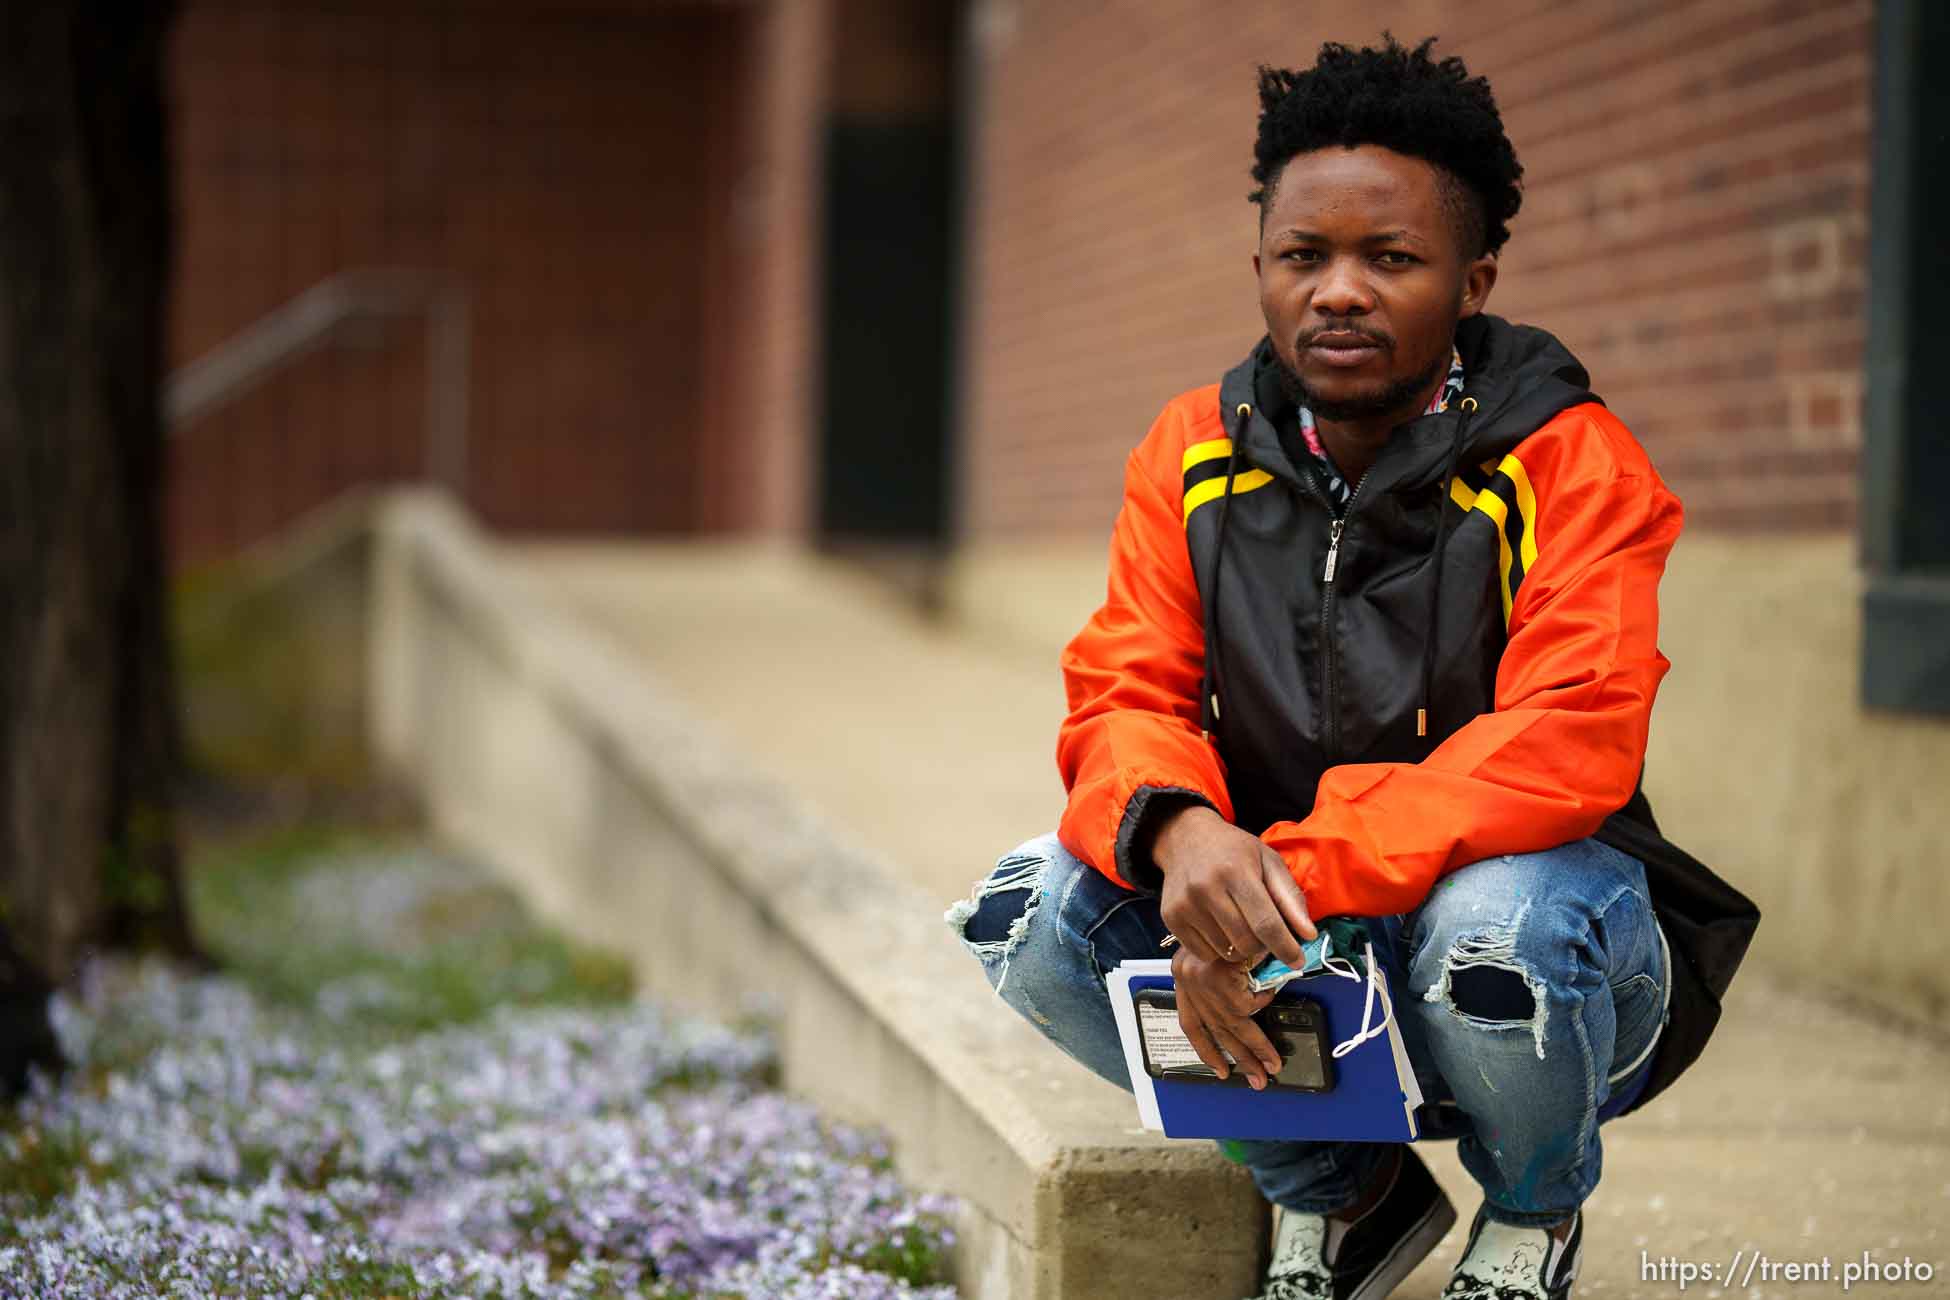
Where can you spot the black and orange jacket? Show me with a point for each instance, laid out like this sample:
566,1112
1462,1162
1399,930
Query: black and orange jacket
1462,665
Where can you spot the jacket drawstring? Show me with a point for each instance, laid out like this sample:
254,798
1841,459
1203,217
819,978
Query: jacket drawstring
1456,445
1210,705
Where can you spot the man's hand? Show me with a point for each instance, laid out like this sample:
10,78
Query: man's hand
1227,895
1215,1010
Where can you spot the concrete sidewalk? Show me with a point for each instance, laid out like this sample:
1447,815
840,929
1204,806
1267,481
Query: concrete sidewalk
1811,1132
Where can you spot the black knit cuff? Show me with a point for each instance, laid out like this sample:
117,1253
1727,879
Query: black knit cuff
1149,805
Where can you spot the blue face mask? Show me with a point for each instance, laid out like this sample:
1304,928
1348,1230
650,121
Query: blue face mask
1341,938
1272,972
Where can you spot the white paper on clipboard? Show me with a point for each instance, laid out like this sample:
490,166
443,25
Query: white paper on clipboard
1404,1068
1119,983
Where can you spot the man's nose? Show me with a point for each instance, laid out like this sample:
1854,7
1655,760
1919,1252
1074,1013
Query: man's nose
1342,290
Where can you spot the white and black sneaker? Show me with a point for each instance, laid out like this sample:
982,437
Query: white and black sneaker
1506,1262
1321,1258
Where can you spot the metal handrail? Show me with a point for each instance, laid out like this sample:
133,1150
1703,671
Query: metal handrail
308,321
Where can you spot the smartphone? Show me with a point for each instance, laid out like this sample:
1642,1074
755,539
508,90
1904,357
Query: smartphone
1295,1025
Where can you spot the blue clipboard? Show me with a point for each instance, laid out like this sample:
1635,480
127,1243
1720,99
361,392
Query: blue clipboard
1374,1094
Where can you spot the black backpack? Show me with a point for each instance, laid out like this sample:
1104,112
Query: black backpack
1708,925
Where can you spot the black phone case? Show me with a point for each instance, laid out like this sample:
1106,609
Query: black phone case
1305,1030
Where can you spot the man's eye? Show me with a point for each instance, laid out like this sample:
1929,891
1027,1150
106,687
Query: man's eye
1306,255
1396,258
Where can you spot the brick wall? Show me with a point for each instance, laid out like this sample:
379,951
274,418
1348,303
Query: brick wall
616,182
769,297
1693,227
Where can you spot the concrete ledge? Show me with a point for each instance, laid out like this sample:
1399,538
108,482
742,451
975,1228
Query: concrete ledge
280,632
558,763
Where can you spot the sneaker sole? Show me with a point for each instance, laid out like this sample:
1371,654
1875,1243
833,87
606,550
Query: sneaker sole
1411,1250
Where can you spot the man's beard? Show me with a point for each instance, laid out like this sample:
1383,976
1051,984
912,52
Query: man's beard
1364,407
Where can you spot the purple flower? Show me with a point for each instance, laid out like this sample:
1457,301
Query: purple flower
222,1147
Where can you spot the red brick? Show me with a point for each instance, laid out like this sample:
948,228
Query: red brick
565,164
1669,148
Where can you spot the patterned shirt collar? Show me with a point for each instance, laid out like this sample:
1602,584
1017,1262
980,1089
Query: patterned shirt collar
1338,489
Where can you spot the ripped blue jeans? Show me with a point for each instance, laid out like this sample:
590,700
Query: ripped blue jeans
1535,990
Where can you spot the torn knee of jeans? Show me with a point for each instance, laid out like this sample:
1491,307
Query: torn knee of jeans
994,919
1483,984
1491,993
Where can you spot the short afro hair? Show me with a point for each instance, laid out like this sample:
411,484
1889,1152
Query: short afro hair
1404,100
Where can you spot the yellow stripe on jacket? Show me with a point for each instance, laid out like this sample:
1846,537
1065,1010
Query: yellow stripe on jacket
1493,504
1212,489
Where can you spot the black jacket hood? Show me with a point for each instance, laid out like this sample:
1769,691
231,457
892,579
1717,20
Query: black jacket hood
1519,375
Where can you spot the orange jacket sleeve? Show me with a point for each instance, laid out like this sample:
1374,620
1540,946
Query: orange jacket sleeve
1566,743
1132,675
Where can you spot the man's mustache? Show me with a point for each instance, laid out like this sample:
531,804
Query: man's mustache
1307,337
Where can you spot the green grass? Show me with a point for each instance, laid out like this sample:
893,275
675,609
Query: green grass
271,697
272,682
278,912
47,1165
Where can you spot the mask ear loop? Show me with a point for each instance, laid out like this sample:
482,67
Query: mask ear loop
1344,969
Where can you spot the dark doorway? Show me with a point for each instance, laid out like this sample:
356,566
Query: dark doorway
891,264
1906,457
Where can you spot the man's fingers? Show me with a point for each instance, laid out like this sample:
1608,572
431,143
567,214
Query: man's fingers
1248,1064
1215,1010
1286,895
1270,930
1235,901
1193,1024
1249,1047
1232,993
1195,939
1210,939
1259,1048
1226,925
1188,973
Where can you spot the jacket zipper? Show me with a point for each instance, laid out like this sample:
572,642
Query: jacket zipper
1330,694
1330,678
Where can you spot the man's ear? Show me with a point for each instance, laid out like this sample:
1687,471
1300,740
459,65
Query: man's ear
1478,279
1255,266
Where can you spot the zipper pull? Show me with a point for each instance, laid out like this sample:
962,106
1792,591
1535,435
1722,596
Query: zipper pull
1333,549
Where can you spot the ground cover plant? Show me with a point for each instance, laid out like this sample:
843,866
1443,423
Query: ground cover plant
399,1086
